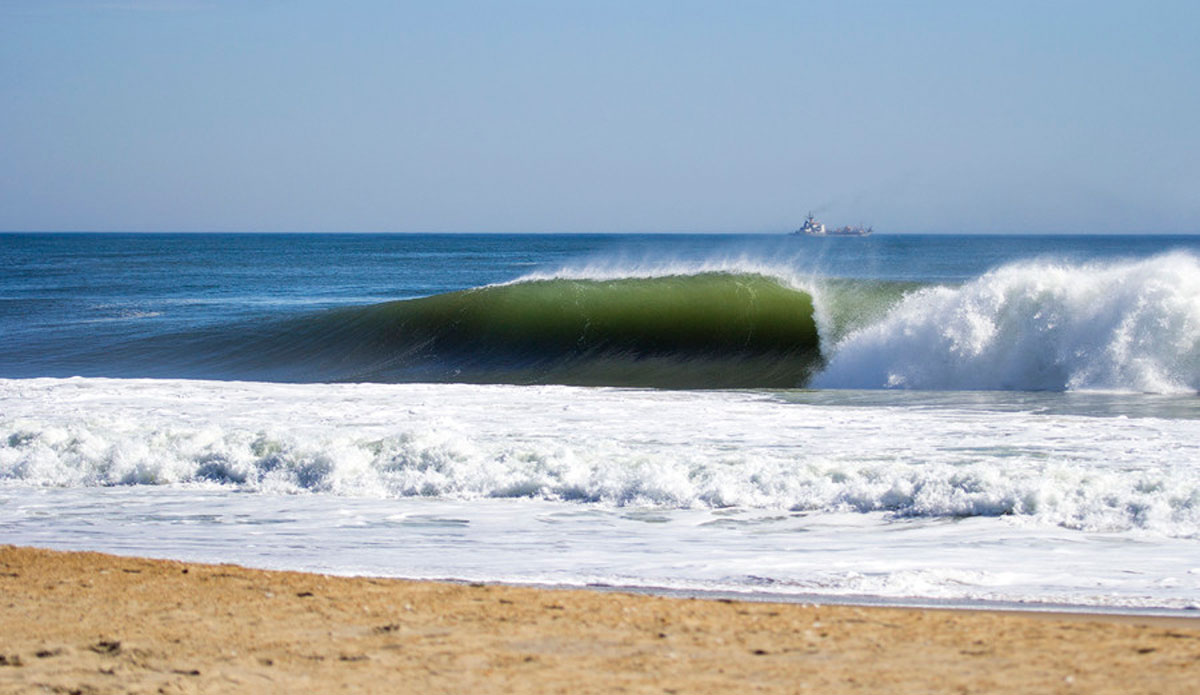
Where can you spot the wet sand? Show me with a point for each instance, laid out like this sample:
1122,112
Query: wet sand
91,623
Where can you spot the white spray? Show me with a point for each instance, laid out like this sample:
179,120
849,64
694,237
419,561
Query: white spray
1128,326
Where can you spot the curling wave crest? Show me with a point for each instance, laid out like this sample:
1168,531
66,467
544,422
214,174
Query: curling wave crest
705,329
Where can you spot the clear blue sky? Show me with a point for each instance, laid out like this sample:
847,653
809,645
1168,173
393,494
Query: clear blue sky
644,116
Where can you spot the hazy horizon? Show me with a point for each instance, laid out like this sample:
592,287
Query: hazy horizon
534,117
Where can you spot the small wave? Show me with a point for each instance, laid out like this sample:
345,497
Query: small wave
120,312
126,315
1127,326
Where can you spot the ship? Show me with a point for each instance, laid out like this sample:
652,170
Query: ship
814,227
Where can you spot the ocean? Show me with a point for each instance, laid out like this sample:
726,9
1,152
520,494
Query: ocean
911,419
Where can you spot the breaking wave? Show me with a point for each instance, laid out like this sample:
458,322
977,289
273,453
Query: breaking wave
1028,326
1128,326
689,331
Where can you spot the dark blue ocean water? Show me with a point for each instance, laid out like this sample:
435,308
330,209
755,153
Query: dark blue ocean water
95,304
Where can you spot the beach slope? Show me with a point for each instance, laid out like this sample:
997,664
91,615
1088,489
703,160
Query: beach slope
93,623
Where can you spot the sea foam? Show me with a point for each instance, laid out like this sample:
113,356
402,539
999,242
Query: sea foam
1124,326
610,447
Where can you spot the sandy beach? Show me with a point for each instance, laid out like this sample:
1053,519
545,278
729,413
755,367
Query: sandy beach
94,623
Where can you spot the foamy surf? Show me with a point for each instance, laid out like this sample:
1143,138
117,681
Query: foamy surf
1033,326
692,490
610,447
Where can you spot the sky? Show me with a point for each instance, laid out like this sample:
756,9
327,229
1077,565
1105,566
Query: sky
642,116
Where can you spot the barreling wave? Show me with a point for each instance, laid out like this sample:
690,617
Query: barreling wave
1028,326
703,330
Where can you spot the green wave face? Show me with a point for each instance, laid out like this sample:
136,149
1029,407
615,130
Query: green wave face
853,304
709,314
709,330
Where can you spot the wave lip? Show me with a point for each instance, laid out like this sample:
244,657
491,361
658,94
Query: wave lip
1127,326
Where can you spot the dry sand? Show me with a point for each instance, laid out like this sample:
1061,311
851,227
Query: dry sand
92,623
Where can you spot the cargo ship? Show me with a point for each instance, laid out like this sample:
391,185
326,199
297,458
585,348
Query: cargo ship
814,227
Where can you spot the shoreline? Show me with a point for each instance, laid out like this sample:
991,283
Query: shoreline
1047,608
96,623
1185,615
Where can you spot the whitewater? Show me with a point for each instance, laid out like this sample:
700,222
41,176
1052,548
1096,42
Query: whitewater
922,421
1035,326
